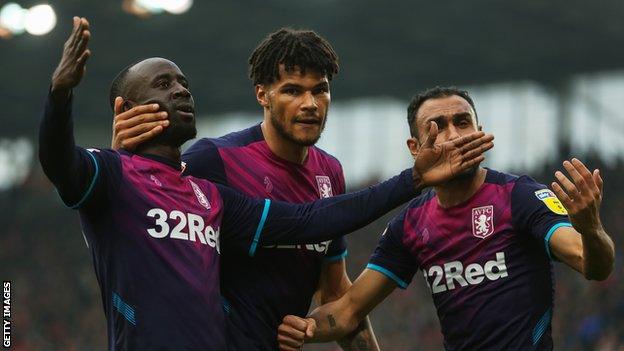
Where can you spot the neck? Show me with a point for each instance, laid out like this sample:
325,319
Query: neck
456,191
281,146
169,152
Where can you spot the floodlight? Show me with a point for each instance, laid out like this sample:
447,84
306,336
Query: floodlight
177,7
40,19
12,18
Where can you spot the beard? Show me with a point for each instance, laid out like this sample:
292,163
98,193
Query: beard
177,133
280,126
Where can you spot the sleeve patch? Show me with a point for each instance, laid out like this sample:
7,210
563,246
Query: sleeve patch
551,201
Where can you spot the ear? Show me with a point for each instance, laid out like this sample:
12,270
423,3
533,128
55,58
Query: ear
262,95
413,145
480,128
127,105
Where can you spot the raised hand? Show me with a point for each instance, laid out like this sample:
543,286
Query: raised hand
581,196
135,126
293,331
72,67
438,163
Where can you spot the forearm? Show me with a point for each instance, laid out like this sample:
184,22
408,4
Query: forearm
67,166
333,322
332,217
56,138
334,284
598,254
361,339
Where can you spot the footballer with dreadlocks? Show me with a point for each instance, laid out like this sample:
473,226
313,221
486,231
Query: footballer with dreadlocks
156,234
291,71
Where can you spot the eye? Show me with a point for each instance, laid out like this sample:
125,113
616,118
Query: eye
464,123
163,84
291,91
322,90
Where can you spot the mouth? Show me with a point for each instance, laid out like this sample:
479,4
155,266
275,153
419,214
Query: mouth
187,112
309,121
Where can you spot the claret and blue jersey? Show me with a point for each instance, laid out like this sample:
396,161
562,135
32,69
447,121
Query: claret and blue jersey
156,235
155,241
486,261
260,289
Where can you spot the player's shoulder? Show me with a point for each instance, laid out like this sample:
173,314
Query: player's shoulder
328,160
106,155
521,185
500,178
526,184
420,200
239,138
106,152
325,155
235,139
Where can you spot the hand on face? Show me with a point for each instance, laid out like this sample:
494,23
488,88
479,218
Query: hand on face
165,107
137,125
72,67
293,331
437,163
581,196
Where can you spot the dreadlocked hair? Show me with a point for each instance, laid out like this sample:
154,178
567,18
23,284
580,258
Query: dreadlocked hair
295,49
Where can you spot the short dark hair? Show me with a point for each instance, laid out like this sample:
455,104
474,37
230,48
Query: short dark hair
433,93
118,85
303,49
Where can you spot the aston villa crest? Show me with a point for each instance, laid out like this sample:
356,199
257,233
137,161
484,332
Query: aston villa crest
324,186
483,221
200,195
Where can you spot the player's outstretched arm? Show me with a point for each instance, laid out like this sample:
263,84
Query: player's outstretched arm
334,283
68,167
586,247
337,319
326,219
136,125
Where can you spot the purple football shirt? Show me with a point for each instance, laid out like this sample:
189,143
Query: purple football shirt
487,262
156,234
154,238
278,280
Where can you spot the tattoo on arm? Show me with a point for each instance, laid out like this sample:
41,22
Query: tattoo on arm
359,340
332,321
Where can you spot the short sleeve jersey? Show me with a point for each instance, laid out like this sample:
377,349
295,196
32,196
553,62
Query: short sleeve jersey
487,262
262,288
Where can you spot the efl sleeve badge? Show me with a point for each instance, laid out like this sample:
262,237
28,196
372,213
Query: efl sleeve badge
551,201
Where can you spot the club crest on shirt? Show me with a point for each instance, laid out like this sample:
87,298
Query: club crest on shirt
483,221
424,236
551,201
155,180
203,200
268,185
324,186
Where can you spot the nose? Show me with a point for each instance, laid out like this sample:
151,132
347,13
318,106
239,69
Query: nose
180,92
309,102
453,132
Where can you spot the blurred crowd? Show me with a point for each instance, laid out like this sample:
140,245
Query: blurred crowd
56,303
